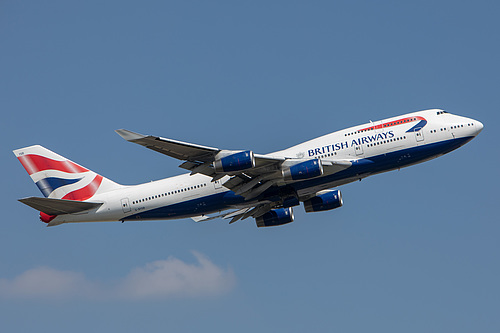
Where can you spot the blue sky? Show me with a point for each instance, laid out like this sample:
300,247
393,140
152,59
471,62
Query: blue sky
415,250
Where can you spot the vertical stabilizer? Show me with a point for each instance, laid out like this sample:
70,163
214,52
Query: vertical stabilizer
59,178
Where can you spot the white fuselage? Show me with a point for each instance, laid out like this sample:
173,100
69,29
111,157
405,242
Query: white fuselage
372,147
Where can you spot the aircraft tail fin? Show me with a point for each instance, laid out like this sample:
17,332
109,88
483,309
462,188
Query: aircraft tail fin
59,178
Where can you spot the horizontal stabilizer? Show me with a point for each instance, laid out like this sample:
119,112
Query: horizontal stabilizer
59,206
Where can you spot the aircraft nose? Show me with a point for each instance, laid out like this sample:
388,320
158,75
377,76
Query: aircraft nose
478,127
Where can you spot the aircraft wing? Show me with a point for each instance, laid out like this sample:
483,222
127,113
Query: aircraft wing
173,148
250,182
200,159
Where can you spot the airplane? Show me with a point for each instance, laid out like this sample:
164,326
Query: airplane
240,184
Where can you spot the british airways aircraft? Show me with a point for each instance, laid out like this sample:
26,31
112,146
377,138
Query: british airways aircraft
264,187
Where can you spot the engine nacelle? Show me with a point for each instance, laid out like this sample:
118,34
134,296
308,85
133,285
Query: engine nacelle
324,200
303,170
275,217
235,162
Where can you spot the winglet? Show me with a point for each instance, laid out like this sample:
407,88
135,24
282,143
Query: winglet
129,135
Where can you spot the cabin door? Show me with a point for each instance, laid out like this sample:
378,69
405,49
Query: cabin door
419,134
358,149
125,205
217,184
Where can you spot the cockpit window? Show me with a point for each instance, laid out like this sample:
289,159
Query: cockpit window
441,112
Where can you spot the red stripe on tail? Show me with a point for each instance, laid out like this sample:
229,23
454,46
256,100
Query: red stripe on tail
85,192
36,163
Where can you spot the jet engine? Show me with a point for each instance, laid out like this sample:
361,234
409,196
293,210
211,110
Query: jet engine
303,170
324,200
275,217
235,162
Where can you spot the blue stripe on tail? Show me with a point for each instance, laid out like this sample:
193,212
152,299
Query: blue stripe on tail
48,185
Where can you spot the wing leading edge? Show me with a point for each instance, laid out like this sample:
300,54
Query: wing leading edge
173,148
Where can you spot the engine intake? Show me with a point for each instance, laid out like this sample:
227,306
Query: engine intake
303,170
235,162
324,200
275,217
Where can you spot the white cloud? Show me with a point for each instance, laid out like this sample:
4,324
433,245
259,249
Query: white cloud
159,280
170,277
44,282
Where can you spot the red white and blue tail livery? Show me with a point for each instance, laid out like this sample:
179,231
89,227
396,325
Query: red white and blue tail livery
60,178
265,187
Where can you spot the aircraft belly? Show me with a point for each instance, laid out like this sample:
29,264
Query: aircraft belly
203,205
